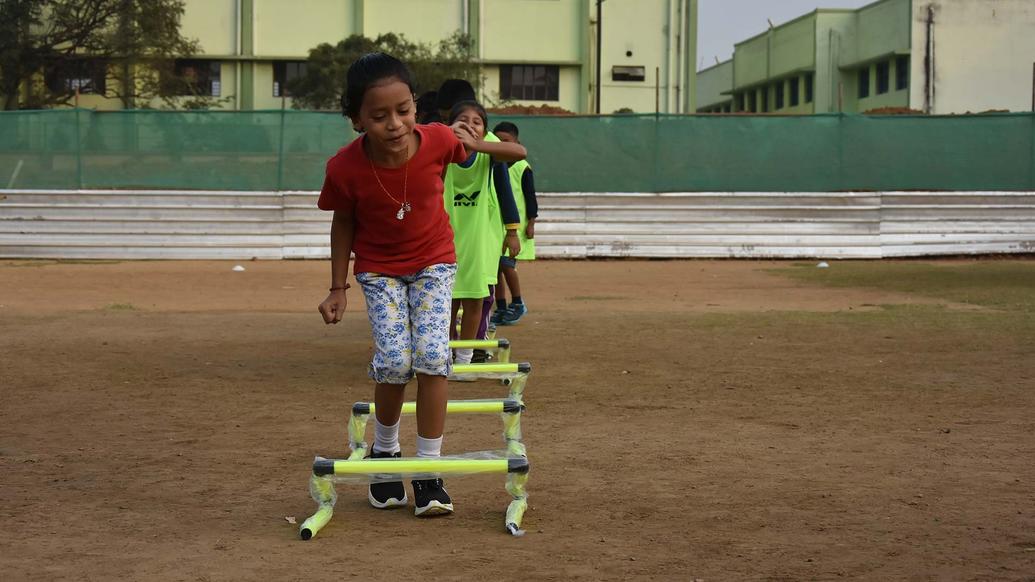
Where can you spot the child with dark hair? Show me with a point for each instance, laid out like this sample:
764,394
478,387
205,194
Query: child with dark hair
451,92
523,184
484,219
386,189
426,112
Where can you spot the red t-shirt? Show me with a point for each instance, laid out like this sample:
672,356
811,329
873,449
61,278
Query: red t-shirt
383,243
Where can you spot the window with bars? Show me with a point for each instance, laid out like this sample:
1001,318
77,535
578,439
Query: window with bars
795,91
883,77
530,82
199,77
779,94
283,73
82,75
902,72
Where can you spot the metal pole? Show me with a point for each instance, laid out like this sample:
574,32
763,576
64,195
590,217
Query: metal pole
280,148
78,146
657,91
600,43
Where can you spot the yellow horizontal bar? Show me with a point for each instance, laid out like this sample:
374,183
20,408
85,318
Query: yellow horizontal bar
457,407
440,466
485,369
474,344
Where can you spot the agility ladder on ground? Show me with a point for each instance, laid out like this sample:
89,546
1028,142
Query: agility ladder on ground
357,469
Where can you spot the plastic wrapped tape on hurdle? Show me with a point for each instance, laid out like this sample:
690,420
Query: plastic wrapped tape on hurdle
509,409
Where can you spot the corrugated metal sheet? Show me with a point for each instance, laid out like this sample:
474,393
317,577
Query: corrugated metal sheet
150,224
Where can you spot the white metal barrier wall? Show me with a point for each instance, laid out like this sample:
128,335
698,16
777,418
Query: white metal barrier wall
165,224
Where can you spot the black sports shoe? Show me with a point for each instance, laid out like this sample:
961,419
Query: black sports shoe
479,357
430,498
386,495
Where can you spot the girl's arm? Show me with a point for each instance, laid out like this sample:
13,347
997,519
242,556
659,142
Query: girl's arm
531,202
508,209
343,230
499,151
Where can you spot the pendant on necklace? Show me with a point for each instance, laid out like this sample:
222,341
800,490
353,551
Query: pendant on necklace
403,209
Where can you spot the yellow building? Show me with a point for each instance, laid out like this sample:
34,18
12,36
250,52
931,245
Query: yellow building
533,51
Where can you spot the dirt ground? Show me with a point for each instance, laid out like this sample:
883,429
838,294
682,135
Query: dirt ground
687,420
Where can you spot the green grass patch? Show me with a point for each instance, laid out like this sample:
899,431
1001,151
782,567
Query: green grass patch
121,307
1002,284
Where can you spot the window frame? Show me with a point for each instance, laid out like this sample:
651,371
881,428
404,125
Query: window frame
211,84
810,87
538,82
883,77
282,76
903,64
863,82
91,76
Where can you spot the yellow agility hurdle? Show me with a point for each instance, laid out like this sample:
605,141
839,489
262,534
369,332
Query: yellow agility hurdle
500,346
357,468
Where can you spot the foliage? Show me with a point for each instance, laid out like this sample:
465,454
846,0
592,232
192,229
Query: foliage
129,46
322,84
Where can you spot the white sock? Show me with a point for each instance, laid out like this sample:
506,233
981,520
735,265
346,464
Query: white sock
429,447
386,438
463,356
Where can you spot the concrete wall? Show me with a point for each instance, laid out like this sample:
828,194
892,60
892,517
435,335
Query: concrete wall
714,84
983,55
661,37
420,20
835,35
290,29
214,23
120,224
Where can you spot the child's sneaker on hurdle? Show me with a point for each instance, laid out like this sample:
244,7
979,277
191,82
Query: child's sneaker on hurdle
430,498
386,495
480,357
514,313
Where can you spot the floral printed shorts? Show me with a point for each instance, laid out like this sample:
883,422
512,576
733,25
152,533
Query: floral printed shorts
409,317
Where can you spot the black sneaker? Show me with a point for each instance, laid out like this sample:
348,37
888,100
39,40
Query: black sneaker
430,498
386,495
480,357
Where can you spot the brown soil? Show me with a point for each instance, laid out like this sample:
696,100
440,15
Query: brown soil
687,420
893,111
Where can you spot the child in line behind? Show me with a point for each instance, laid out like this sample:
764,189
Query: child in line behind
523,185
484,219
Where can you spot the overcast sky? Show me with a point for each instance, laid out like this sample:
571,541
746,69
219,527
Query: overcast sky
724,22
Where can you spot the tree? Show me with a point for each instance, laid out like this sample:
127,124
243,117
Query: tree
126,47
321,86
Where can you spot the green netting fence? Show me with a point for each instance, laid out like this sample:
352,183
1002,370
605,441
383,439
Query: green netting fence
286,150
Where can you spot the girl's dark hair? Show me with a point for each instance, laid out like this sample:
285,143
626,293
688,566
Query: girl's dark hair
368,70
506,127
464,106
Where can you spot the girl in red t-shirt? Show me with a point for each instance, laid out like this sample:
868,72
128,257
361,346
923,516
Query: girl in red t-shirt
385,189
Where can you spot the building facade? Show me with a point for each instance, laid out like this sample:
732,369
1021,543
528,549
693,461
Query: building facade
533,52
937,57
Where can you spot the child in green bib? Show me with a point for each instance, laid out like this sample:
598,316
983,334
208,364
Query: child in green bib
483,215
523,185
